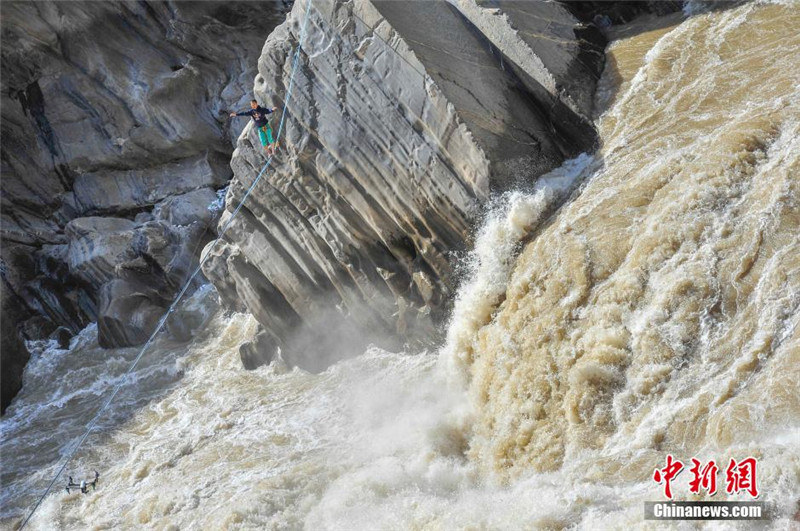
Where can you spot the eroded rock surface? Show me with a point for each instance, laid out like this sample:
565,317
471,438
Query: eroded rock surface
404,117
116,111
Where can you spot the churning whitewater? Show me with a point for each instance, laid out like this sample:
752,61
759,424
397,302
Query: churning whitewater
640,301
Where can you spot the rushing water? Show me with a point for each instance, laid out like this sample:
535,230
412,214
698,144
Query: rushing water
655,312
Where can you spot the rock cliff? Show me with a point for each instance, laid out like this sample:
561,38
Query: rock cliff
115,140
403,119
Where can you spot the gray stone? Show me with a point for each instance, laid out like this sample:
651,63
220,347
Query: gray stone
508,124
401,122
142,265
261,350
117,191
144,217
188,208
405,117
62,335
127,313
559,57
108,110
97,246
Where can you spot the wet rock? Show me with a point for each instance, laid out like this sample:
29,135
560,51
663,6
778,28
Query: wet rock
97,246
392,143
132,267
506,123
62,335
188,208
73,305
116,191
127,314
144,217
260,351
179,329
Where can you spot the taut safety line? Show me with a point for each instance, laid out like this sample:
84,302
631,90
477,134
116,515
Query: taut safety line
163,320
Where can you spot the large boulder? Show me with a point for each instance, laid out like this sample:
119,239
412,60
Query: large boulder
197,206
403,118
558,56
127,313
37,327
261,350
97,246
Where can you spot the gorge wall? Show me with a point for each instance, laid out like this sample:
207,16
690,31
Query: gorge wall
401,124
653,313
115,140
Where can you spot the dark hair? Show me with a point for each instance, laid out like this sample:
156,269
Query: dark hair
254,101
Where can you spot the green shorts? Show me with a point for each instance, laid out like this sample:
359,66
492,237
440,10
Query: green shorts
265,134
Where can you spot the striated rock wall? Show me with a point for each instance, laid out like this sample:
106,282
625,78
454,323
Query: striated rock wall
115,140
404,117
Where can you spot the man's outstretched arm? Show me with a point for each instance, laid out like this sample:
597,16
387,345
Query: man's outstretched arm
243,113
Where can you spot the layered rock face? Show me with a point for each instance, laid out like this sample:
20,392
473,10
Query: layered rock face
404,117
115,140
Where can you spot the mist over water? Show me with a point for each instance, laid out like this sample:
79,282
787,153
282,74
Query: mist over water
655,312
